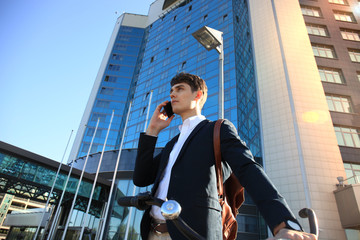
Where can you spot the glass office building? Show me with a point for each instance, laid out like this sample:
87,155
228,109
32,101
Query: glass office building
291,79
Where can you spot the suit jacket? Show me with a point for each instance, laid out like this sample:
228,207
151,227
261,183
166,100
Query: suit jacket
193,179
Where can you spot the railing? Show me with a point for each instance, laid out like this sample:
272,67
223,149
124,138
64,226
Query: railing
353,180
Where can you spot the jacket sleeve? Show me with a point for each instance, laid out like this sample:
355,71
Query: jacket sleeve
146,165
252,177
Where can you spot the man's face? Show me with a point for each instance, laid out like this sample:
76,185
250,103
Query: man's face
182,98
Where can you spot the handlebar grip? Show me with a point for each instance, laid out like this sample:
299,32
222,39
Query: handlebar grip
309,213
127,201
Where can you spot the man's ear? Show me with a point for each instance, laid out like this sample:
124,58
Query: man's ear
199,95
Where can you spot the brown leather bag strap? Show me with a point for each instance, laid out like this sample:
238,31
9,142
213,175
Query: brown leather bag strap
217,152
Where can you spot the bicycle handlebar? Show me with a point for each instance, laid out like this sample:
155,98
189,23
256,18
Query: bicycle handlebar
309,213
171,211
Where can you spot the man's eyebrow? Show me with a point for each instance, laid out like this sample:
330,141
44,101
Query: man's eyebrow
176,86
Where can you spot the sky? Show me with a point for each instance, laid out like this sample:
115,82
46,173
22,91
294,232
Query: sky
50,53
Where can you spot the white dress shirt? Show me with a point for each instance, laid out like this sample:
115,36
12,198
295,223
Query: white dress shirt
185,129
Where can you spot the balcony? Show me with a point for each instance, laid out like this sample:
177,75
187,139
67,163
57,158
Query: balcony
348,202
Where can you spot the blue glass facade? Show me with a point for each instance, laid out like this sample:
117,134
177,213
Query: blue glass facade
170,48
113,91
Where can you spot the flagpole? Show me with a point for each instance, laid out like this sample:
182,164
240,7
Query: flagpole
80,179
95,180
115,173
52,189
57,213
134,189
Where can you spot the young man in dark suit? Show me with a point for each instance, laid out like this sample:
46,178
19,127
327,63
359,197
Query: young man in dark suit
185,170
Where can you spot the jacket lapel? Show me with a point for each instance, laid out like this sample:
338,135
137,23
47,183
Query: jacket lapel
188,140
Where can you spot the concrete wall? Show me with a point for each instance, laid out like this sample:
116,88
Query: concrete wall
301,153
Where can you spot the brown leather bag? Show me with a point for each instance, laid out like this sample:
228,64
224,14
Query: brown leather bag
231,193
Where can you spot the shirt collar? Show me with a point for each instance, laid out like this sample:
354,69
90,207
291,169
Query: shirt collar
191,122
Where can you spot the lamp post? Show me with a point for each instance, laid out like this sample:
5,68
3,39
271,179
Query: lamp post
212,39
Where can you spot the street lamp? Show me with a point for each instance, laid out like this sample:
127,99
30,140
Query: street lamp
212,39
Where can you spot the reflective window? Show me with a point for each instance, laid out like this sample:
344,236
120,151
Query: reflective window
331,75
346,136
323,51
341,2
348,34
311,11
354,55
352,172
339,103
344,16
247,223
318,30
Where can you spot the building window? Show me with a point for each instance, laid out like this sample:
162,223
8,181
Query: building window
164,75
120,47
162,88
318,30
224,18
113,67
339,103
117,57
184,52
344,16
107,91
323,51
103,104
348,137
358,75
91,131
342,2
201,56
203,19
352,173
166,62
311,11
187,28
331,75
348,34
110,79
99,116
354,55
151,70
182,66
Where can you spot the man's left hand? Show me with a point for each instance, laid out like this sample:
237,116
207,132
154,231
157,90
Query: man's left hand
294,235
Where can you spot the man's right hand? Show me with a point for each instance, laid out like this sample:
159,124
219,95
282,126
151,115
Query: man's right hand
158,121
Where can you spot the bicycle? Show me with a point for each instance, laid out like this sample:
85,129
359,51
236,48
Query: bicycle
171,210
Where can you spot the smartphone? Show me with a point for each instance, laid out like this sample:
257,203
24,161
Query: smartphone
168,109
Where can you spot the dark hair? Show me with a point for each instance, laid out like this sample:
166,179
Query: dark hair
195,82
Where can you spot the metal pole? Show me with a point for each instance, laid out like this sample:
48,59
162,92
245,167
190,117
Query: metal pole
115,173
129,217
95,180
80,179
52,189
221,79
134,189
57,213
